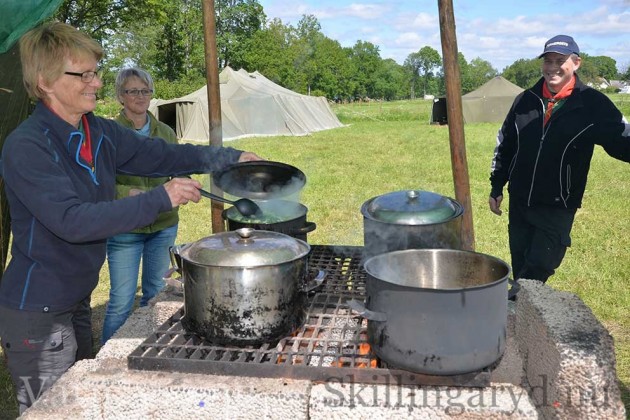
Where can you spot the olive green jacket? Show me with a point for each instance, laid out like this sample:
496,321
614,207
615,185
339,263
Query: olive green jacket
124,183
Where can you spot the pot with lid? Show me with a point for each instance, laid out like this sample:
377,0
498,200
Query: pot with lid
243,287
410,219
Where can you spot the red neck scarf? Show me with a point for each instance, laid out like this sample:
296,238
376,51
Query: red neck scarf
86,148
554,99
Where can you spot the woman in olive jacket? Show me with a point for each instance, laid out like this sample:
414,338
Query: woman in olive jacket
149,244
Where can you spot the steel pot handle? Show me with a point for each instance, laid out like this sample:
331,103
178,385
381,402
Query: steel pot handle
360,308
308,227
175,254
315,282
176,282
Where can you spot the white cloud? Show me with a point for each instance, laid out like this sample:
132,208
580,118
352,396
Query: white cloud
364,11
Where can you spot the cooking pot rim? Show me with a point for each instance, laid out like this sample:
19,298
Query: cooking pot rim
494,283
232,214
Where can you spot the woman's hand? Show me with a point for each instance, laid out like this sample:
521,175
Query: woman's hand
183,190
249,157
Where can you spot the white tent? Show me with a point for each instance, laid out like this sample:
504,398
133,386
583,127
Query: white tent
251,105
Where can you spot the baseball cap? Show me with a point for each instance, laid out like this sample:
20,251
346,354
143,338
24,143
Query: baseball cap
561,44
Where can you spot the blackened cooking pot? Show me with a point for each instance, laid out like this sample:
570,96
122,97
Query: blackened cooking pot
283,216
410,219
243,287
436,311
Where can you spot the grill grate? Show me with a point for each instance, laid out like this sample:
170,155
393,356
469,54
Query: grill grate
331,345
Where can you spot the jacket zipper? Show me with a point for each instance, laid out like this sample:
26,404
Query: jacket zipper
90,168
542,139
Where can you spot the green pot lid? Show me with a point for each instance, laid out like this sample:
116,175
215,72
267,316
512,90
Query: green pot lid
245,247
412,207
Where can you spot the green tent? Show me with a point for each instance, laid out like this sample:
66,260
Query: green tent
490,102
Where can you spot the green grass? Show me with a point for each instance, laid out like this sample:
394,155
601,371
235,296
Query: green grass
391,146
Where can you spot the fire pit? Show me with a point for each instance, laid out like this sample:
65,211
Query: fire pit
332,342
553,366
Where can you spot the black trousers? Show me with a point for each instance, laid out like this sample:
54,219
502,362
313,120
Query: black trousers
539,237
42,346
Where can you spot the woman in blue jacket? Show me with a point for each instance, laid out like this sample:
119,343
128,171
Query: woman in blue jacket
59,169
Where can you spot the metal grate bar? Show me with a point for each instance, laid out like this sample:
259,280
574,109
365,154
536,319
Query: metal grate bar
331,345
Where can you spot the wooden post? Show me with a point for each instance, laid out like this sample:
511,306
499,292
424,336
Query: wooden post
214,99
456,120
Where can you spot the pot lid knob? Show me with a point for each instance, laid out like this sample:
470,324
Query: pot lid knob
245,233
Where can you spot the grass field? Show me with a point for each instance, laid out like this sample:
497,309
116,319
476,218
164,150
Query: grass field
391,146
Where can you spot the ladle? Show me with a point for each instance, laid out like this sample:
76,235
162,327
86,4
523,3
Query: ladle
245,206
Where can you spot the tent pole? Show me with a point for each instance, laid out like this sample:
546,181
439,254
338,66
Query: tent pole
214,99
455,120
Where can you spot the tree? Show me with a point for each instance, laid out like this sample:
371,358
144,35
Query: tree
392,81
269,52
480,71
103,18
466,80
606,66
308,34
170,54
524,72
236,22
423,64
333,72
367,62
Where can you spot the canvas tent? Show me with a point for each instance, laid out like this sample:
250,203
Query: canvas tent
490,102
251,105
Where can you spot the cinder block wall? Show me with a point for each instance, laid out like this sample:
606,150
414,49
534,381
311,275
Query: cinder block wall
568,355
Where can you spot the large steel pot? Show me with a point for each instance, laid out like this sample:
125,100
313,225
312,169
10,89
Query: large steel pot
243,287
436,311
410,219
281,216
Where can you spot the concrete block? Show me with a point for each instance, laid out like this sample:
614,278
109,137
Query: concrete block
568,354
106,390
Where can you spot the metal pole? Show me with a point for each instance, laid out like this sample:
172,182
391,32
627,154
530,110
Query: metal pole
456,120
214,99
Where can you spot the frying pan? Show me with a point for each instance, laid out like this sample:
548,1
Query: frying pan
260,180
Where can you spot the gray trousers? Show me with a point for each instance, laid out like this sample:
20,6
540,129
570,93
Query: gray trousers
41,346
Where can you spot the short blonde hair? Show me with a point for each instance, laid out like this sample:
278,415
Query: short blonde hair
44,50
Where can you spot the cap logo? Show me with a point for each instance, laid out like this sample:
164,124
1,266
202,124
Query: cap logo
551,44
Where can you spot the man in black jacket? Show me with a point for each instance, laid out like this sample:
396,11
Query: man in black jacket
544,150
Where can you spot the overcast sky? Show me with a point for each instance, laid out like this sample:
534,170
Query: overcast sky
500,32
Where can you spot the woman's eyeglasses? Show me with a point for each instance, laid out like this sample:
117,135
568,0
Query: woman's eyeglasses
86,76
138,92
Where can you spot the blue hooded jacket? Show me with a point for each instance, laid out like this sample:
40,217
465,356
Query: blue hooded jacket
63,210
